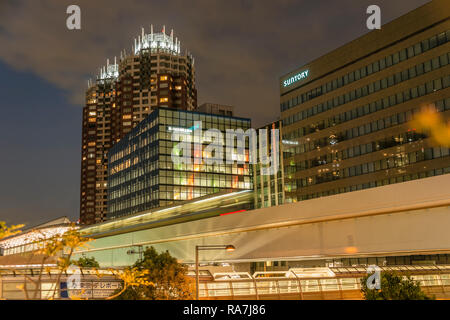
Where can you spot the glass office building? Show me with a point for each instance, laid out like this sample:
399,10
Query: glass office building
350,111
142,174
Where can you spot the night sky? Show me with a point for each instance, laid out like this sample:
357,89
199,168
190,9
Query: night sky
241,49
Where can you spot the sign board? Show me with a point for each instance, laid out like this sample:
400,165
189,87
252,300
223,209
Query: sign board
93,289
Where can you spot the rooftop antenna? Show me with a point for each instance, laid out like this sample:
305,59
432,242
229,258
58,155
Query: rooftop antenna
164,29
142,33
171,35
151,32
115,60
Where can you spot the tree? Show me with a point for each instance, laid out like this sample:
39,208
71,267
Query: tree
84,262
132,278
168,279
60,247
9,231
394,287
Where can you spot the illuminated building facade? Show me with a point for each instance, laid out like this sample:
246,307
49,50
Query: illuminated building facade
142,174
155,73
269,189
32,239
349,111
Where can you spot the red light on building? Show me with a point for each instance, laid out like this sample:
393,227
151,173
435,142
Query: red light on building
224,214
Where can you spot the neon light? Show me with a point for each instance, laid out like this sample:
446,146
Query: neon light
299,76
295,143
224,214
178,129
196,126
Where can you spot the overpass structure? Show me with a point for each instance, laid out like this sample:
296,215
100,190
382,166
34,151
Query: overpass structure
406,218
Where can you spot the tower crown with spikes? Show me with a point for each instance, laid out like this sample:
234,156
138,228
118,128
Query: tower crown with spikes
110,71
155,41
160,41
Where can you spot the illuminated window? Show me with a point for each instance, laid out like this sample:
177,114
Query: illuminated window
93,113
92,120
164,99
163,78
177,87
127,116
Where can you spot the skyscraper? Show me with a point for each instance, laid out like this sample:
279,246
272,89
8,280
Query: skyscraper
154,74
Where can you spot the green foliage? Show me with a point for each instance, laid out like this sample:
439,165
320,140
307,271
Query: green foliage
6,231
394,287
84,262
169,279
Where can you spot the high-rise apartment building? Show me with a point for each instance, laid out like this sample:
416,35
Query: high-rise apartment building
143,175
349,111
154,74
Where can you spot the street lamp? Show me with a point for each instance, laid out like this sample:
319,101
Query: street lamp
228,248
139,252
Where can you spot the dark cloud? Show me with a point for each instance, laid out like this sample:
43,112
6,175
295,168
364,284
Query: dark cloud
241,47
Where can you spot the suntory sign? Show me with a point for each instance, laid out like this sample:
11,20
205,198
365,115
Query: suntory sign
297,77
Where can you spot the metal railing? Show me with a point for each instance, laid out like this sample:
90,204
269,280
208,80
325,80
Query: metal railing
295,284
284,288
337,288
